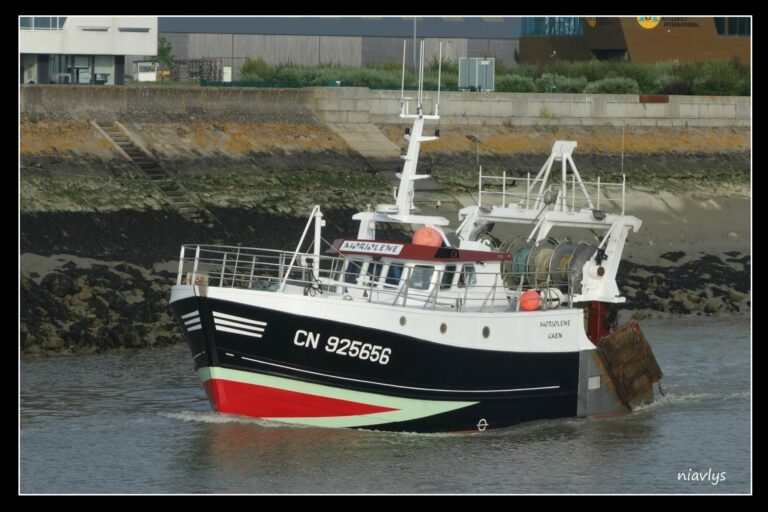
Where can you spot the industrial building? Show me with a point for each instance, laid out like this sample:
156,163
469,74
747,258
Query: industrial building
81,49
646,39
349,41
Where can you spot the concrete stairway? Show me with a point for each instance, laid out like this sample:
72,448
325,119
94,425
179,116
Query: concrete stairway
173,191
367,140
380,153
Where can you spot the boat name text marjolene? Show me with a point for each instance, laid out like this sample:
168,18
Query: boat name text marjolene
344,347
554,335
555,323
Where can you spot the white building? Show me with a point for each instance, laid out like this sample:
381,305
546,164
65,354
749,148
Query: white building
82,49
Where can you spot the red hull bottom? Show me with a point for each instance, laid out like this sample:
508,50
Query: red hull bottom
266,402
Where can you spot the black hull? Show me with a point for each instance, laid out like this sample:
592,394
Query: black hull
496,388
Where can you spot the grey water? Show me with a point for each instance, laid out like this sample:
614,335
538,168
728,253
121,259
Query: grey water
139,422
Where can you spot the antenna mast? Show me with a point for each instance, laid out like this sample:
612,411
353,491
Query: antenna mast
439,73
402,83
419,109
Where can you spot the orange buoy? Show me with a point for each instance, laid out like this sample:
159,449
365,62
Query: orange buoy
427,236
530,300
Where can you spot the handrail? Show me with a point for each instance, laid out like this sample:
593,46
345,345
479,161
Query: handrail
266,270
499,185
181,264
298,246
491,293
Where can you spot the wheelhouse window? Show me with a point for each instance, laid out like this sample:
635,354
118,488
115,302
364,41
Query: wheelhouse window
353,271
467,277
421,277
394,273
374,271
447,280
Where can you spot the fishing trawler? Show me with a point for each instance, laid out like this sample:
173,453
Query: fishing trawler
452,331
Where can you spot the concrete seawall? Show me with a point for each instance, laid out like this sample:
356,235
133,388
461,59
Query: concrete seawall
163,104
193,129
361,105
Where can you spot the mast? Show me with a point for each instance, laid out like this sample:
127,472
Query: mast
400,212
409,175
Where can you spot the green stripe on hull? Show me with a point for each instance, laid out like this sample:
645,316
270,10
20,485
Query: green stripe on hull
407,408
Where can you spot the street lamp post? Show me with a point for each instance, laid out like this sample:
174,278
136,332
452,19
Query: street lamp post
553,87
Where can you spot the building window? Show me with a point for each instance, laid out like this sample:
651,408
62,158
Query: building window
42,22
742,25
720,25
552,26
737,26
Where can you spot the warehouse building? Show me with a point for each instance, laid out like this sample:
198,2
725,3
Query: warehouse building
349,41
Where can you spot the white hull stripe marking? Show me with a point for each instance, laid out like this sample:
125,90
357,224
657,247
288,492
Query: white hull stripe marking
401,387
194,313
237,331
238,318
219,321
192,321
195,328
405,408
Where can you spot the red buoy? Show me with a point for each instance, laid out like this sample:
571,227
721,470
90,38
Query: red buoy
530,300
427,236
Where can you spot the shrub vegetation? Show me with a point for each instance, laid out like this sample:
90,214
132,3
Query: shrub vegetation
715,78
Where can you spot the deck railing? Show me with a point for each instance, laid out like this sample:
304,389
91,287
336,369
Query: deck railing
505,190
449,288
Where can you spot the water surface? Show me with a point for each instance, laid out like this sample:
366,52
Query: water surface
139,422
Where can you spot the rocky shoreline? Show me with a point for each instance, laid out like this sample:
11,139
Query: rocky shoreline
93,282
103,306
708,285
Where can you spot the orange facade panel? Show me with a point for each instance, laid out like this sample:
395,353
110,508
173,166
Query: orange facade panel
681,38
648,39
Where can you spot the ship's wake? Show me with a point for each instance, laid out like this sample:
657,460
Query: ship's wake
219,419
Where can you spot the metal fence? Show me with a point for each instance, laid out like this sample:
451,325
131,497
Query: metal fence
190,70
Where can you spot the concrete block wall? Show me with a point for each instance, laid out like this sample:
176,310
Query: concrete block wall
361,105
168,104
539,109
